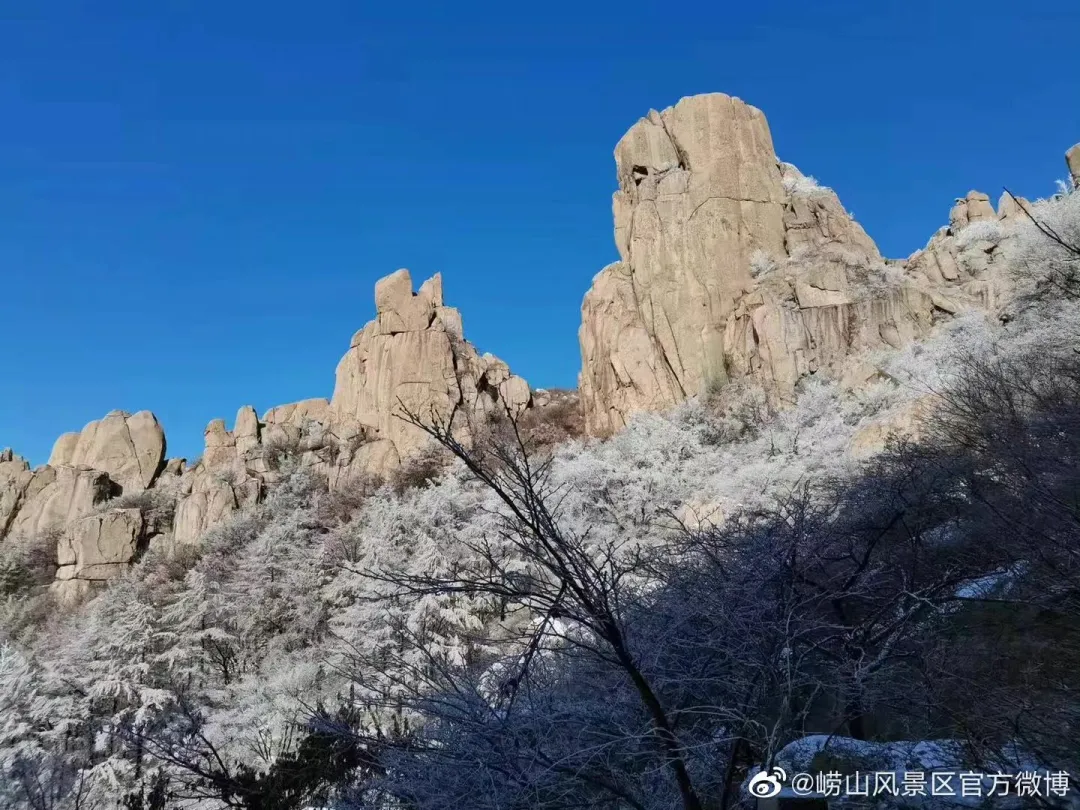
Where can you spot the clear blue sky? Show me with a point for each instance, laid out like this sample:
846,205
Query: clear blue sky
196,198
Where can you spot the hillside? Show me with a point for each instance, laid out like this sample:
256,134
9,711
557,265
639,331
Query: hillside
802,490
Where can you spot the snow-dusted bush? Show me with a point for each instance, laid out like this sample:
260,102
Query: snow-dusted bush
736,411
990,231
26,562
556,419
891,274
795,183
157,505
297,602
1045,253
420,469
761,263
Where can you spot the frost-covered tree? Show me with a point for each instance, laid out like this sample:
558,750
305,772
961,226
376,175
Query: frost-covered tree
479,634
1045,253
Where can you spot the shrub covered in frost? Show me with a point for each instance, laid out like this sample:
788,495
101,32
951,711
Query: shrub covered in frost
989,231
1045,253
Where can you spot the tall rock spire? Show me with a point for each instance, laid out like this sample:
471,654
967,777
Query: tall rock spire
734,264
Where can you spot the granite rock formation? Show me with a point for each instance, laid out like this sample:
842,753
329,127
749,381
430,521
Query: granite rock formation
108,492
414,358
734,264
130,448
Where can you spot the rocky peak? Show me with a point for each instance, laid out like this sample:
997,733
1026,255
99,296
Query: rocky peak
413,357
735,264
975,207
704,208
1072,160
399,309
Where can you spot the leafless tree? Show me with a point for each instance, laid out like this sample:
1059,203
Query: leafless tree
705,656
561,577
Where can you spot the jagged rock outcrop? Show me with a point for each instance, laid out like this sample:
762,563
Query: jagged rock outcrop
699,193
99,546
1072,160
15,479
964,264
55,496
129,447
413,357
119,454
734,264
288,420
816,221
232,473
60,503
975,207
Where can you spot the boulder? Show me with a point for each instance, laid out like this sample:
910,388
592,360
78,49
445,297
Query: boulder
210,501
99,547
174,467
975,207
219,445
63,449
246,430
297,413
55,496
129,447
1011,209
400,309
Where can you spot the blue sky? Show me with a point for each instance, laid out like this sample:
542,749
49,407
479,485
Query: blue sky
196,198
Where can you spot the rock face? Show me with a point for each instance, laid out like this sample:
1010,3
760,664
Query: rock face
120,454
1072,160
220,483
99,547
130,448
733,264
15,479
699,192
56,496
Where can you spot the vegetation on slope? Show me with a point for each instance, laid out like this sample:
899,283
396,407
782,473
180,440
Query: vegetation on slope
634,623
